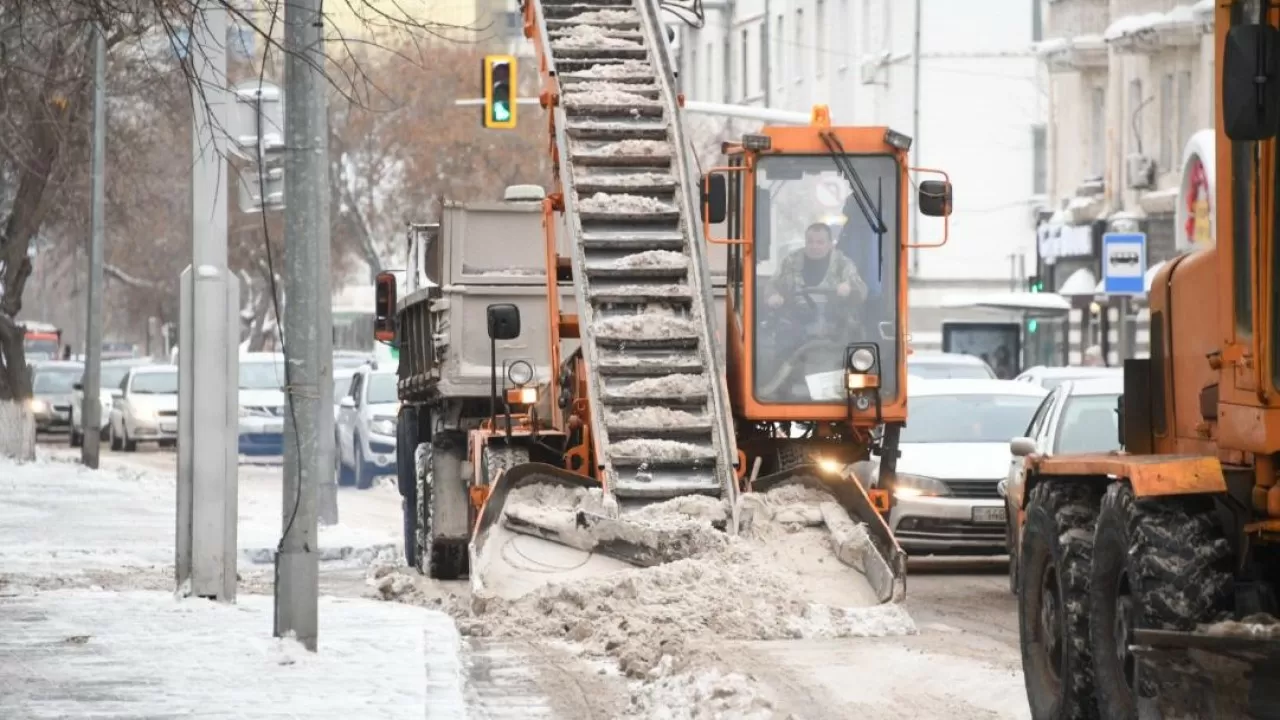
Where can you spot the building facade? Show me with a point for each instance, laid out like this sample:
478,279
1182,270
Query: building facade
1130,87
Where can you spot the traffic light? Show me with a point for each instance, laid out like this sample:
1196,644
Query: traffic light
497,75
1034,284
1033,325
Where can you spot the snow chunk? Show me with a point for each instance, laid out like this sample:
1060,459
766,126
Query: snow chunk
626,68
583,37
1258,625
659,450
650,325
654,416
705,694
663,291
623,203
677,385
608,96
651,259
629,179
645,148
605,17
1132,25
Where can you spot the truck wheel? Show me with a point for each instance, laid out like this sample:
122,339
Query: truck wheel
408,511
1157,564
75,439
116,445
343,473
1011,541
363,475
1053,589
444,508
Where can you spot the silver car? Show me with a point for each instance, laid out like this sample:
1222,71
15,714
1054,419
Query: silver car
147,409
954,453
1079,416
366,427
52,384
109,378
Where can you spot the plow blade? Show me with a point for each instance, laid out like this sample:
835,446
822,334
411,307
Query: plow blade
860,536
1207,676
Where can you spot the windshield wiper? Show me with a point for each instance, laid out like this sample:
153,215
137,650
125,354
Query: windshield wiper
860,194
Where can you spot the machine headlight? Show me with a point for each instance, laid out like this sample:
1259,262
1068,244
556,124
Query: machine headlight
520,373
830,466
383,426
37,405
522,395
913,486
861,360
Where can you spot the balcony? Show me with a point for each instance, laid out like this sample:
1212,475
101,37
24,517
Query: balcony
1181,27
1073,54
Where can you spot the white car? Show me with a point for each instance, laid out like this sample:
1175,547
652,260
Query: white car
954,453
366,427
147,409
110,376
1050,377
341,388
262,404
1078,416
939,365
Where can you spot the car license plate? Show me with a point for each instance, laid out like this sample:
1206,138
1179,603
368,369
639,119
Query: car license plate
168,427
988,515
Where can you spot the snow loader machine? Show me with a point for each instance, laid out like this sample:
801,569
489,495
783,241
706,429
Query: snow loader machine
1149,578
808,378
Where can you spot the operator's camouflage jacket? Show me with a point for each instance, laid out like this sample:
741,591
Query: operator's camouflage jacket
790,276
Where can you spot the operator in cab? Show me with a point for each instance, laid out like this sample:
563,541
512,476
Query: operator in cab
817,265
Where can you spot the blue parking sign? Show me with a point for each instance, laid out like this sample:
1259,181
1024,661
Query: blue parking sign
1124,263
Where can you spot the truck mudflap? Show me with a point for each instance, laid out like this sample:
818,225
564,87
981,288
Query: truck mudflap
1207,676
516,548
881,560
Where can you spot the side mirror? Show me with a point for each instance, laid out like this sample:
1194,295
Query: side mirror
1120,420
1022,446
715,194
78,386
384,311
504,321
1250,72
347,402
935,198
117,393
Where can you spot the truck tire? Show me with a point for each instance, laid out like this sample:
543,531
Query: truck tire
1162,564
407,480
443,509
1053,597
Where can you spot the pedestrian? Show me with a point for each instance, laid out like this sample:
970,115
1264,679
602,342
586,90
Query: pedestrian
66,352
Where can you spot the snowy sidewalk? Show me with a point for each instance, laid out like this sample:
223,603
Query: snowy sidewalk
89,626
84,653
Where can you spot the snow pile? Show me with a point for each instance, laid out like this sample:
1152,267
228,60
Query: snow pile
626,68
653,417
668,386
1259,625
591,37
606,17
606,86
659,450
738,588
652,324
632,148
651,259
625,204
607,96
706,694
654,291
628,179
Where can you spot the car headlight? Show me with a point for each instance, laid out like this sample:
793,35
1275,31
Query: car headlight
861,360
912,486
38,405
383,426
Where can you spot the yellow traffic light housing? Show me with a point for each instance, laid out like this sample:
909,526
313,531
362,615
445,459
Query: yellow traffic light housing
499,95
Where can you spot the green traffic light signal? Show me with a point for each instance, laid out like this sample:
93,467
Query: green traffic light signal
499,101
1032,325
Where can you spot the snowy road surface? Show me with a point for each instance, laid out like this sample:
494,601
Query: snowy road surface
89,627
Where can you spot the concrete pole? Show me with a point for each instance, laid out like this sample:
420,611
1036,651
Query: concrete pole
307,326
915,138
208,346
91,406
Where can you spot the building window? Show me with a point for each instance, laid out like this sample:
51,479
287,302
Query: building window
1039,160
1037,21
1166,122
731,69
1184,113
820,35
764,57
711,72
693,71
1098,132
746,72
843,26
1133,119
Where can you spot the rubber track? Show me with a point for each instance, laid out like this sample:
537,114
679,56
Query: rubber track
639,271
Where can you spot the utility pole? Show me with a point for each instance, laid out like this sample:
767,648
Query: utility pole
208,336
915,135
308,326
91,406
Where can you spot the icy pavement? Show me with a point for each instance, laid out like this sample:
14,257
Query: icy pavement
84,653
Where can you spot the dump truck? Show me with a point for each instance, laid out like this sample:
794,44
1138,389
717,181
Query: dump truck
803,377
1148,578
